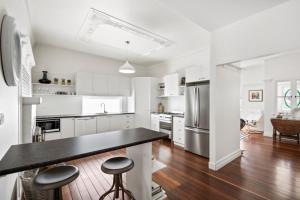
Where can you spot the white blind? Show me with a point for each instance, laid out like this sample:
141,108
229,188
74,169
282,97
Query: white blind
26,82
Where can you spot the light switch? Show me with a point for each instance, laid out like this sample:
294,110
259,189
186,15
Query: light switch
1,118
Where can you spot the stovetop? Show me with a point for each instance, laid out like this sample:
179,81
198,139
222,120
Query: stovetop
170,113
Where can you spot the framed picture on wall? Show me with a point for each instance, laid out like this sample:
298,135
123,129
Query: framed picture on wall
255,95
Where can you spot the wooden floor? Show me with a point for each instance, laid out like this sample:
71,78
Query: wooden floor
266,170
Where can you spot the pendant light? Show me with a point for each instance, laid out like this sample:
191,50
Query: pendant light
127,68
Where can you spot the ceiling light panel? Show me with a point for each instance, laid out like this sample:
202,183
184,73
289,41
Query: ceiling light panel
101,28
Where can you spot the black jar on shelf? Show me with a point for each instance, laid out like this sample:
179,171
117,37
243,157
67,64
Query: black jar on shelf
45,79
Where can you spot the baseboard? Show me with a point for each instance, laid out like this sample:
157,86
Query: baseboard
268,134
225,160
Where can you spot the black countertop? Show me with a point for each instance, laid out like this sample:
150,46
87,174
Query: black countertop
33,155
82,115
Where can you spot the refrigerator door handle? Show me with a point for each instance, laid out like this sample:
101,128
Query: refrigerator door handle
198,109
197,130
195,108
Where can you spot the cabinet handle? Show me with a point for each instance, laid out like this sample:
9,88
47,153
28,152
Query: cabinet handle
86,118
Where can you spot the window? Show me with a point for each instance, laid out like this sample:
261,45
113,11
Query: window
288,95
284,96
93,104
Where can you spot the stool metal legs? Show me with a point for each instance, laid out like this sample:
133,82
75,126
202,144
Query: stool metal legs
57,194
116,187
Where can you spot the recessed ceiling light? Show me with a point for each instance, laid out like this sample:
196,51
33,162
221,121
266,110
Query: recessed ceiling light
101,28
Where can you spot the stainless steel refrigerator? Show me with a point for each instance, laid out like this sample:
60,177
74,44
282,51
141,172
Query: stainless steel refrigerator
197,118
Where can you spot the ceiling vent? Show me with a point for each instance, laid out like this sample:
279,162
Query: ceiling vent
101,28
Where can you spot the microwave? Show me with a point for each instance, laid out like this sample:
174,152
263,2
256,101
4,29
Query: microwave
48,125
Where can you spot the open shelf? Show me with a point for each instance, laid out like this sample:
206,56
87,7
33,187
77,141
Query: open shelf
52,85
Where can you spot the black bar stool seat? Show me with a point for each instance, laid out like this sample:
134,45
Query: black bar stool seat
117,166
54,178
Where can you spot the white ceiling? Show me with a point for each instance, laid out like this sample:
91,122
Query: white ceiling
187,25
58,23
213,14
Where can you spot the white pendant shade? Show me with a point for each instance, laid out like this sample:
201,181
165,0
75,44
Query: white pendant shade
127,68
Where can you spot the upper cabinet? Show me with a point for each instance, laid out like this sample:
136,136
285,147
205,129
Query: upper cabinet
101,85
84,83
198,73
171,82
125,86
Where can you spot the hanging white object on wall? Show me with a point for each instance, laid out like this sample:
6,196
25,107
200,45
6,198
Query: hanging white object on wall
10,51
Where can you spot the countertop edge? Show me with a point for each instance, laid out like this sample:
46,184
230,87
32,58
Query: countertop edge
83,115
34,166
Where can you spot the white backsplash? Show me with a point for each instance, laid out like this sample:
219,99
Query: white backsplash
173,104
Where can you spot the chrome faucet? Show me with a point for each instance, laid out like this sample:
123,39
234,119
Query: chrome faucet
103,104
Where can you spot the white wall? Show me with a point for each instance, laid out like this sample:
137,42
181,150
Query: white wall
9,98
179,65
272,31
64,63
58,105
285,67
227,120
252,78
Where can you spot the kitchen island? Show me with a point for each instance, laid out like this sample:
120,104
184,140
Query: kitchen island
137,141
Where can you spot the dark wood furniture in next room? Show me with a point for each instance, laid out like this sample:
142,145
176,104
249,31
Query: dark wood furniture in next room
289,128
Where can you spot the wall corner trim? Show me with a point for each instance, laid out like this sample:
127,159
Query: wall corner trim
225,160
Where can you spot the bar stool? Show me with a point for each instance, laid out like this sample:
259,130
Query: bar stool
54,178
117,166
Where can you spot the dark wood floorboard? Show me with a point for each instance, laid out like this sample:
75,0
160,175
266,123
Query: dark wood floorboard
267,170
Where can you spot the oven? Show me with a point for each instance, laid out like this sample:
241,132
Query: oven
165,124
48,125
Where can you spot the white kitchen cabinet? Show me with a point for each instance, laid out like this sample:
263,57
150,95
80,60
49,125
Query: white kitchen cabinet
84,83
113,86
127,121
103,124
100,84
85,126
125,86
171,85
114,122
53,136
155,122
145,89
178,131
198,73
67,127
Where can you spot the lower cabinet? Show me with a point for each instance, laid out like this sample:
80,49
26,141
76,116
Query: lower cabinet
67,129
155,122
114,122
85,126
53,136
178,131
70,127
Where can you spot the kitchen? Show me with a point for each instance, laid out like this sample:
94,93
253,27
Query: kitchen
106,98
117,102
